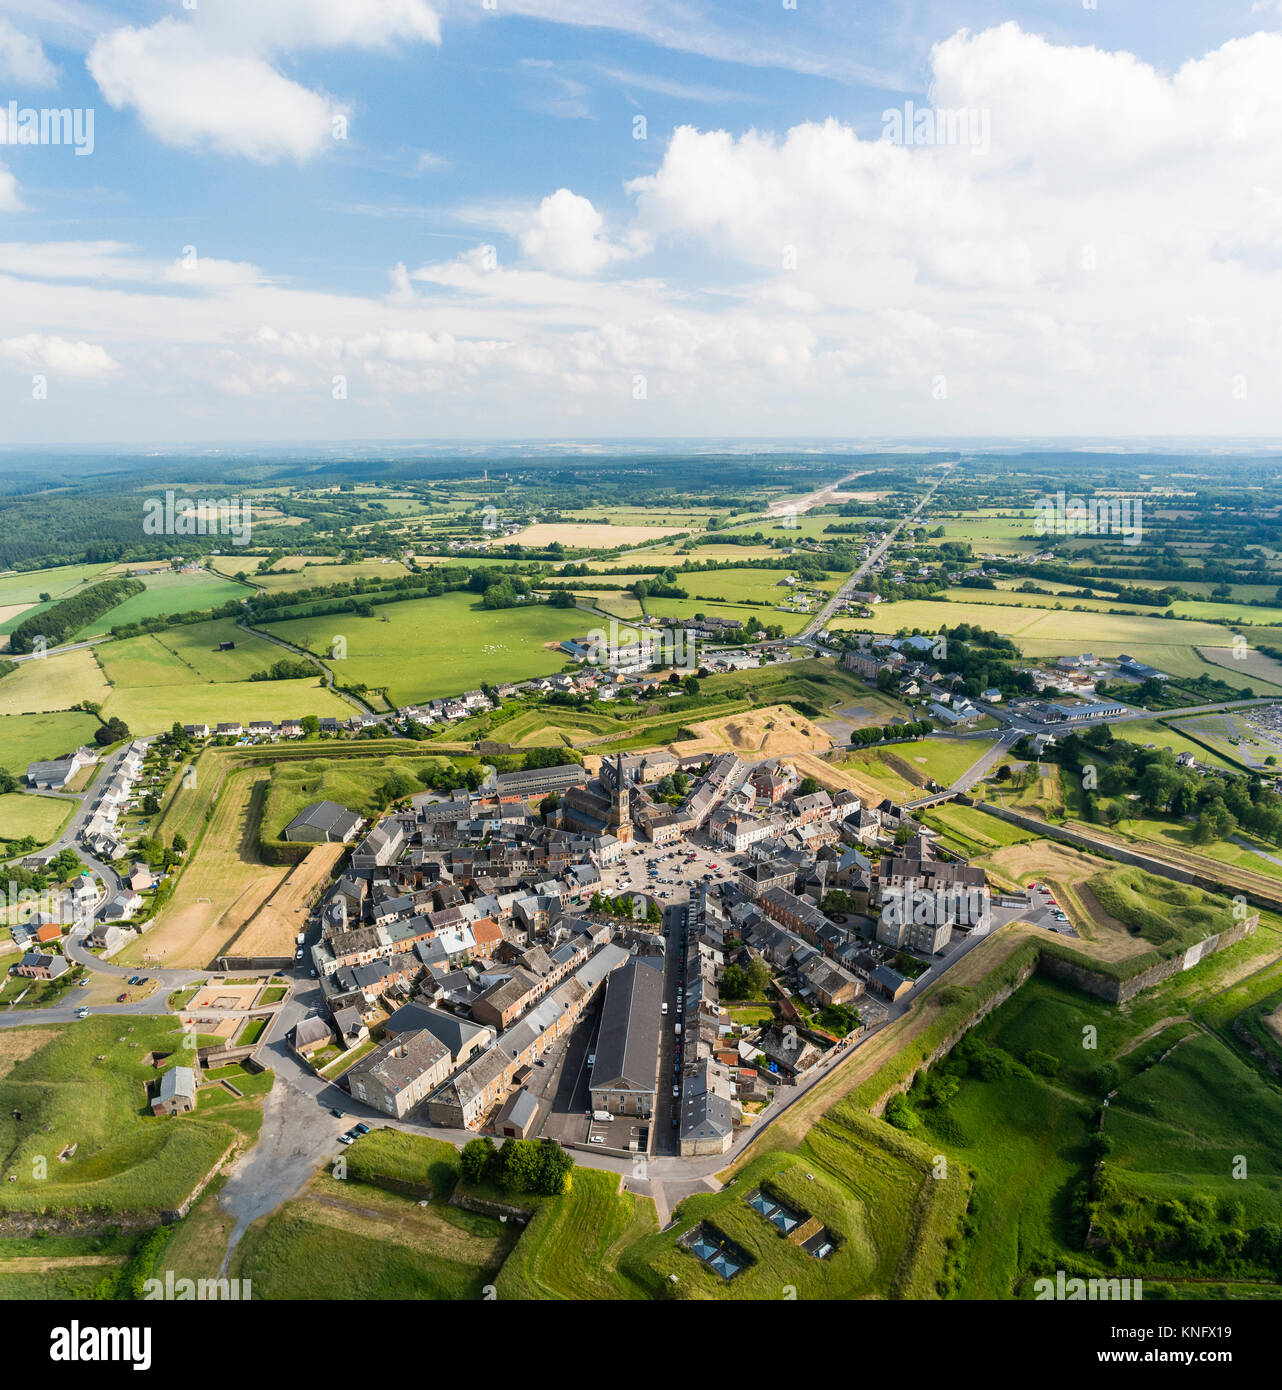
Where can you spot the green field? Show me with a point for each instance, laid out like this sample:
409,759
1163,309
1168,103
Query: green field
424,648
27,586
52,683
126,1160
316,575
168,592
944,759
189,655
29,738
42,816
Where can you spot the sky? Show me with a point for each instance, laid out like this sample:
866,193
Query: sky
310,220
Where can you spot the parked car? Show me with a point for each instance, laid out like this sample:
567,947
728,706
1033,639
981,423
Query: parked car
120,998
345,1138
676,1090
336,1112
298,955
596,1139
362,1129
82,1013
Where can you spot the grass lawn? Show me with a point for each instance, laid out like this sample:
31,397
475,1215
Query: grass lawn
424,648
126,1160
944,759
352,1240
42,816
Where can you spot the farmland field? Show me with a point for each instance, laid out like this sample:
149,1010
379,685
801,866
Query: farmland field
151,709
167,592
26,588
590,537
424,648
22,814
28,738
188,655
52,683
319,573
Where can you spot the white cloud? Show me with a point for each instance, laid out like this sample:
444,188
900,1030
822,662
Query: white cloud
191,96
565,234
212,80
10,201
45,352
22,59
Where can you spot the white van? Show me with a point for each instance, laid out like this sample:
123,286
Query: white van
678,1030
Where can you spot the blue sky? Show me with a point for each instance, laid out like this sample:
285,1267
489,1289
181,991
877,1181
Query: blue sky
313,219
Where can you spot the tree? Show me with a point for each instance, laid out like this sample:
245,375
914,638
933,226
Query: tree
478,1160
808,786
179,842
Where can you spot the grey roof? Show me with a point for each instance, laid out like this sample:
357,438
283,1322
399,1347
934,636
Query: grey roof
327,816
627,1052
705,1112
178,1081
454,1033
311,1030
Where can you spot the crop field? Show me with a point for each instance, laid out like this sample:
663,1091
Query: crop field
1166,643
167,592
1263,672
28,738
424,648
51,683
85,1085
22,814
587,536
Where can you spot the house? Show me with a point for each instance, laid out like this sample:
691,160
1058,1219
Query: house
36,965
399,1073
311,1035
232,729
891,983
176,1094
108,938
324,822
521,1116
625,1073
123,905
196,730
708,1111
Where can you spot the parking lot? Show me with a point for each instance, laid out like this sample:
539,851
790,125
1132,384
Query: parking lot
670,872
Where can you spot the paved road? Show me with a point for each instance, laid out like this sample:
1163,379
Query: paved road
820,620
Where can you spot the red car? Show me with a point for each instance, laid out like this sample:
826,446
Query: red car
120,998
